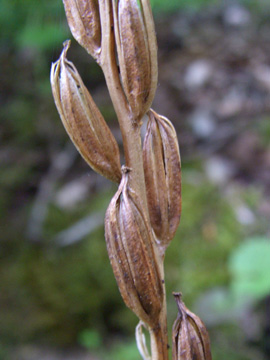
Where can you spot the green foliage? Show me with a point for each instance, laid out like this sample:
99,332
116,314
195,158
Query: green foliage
90,338
30,23
207,234
123,351
41,36
172,5
227,342
264,131
160,5
250,268
3,353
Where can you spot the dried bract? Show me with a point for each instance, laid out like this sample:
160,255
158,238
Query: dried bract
130,247
137,54
84,22
83,121
190,337
162,168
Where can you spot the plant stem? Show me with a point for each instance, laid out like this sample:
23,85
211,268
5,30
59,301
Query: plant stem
131,135
159,335
131,130
159,349
133,155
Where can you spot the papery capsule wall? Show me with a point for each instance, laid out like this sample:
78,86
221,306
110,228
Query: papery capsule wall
162,168
83,121
84,23
190,337
137,55
130,246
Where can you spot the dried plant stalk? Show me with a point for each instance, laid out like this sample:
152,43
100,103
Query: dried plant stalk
144,214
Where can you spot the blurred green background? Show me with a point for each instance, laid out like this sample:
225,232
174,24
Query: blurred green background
58,297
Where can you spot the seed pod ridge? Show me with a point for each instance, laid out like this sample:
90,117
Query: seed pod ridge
162,168
190,337
82,119
130,246
84,22
137,57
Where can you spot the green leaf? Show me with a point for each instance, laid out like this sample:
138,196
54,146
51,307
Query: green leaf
250,268
42,37
90,339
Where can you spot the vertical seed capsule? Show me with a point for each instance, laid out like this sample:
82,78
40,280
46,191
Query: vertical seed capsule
130,246
137,54
84,22
190,337
83,121
162,168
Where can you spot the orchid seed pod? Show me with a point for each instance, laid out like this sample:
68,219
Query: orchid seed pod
82,119
190,337
130,247
84,22
162,168
137,53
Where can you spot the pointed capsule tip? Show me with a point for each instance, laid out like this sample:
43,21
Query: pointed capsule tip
125,169
177,295
66,46
178,299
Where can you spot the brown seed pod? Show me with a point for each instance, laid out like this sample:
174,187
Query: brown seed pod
84,22
190,337
82,119
162,168
137,54
130,247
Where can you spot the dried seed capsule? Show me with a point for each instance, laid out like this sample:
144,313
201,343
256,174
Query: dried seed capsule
82,119
152,47
84,22
190,337
137,54
130,246
162,168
